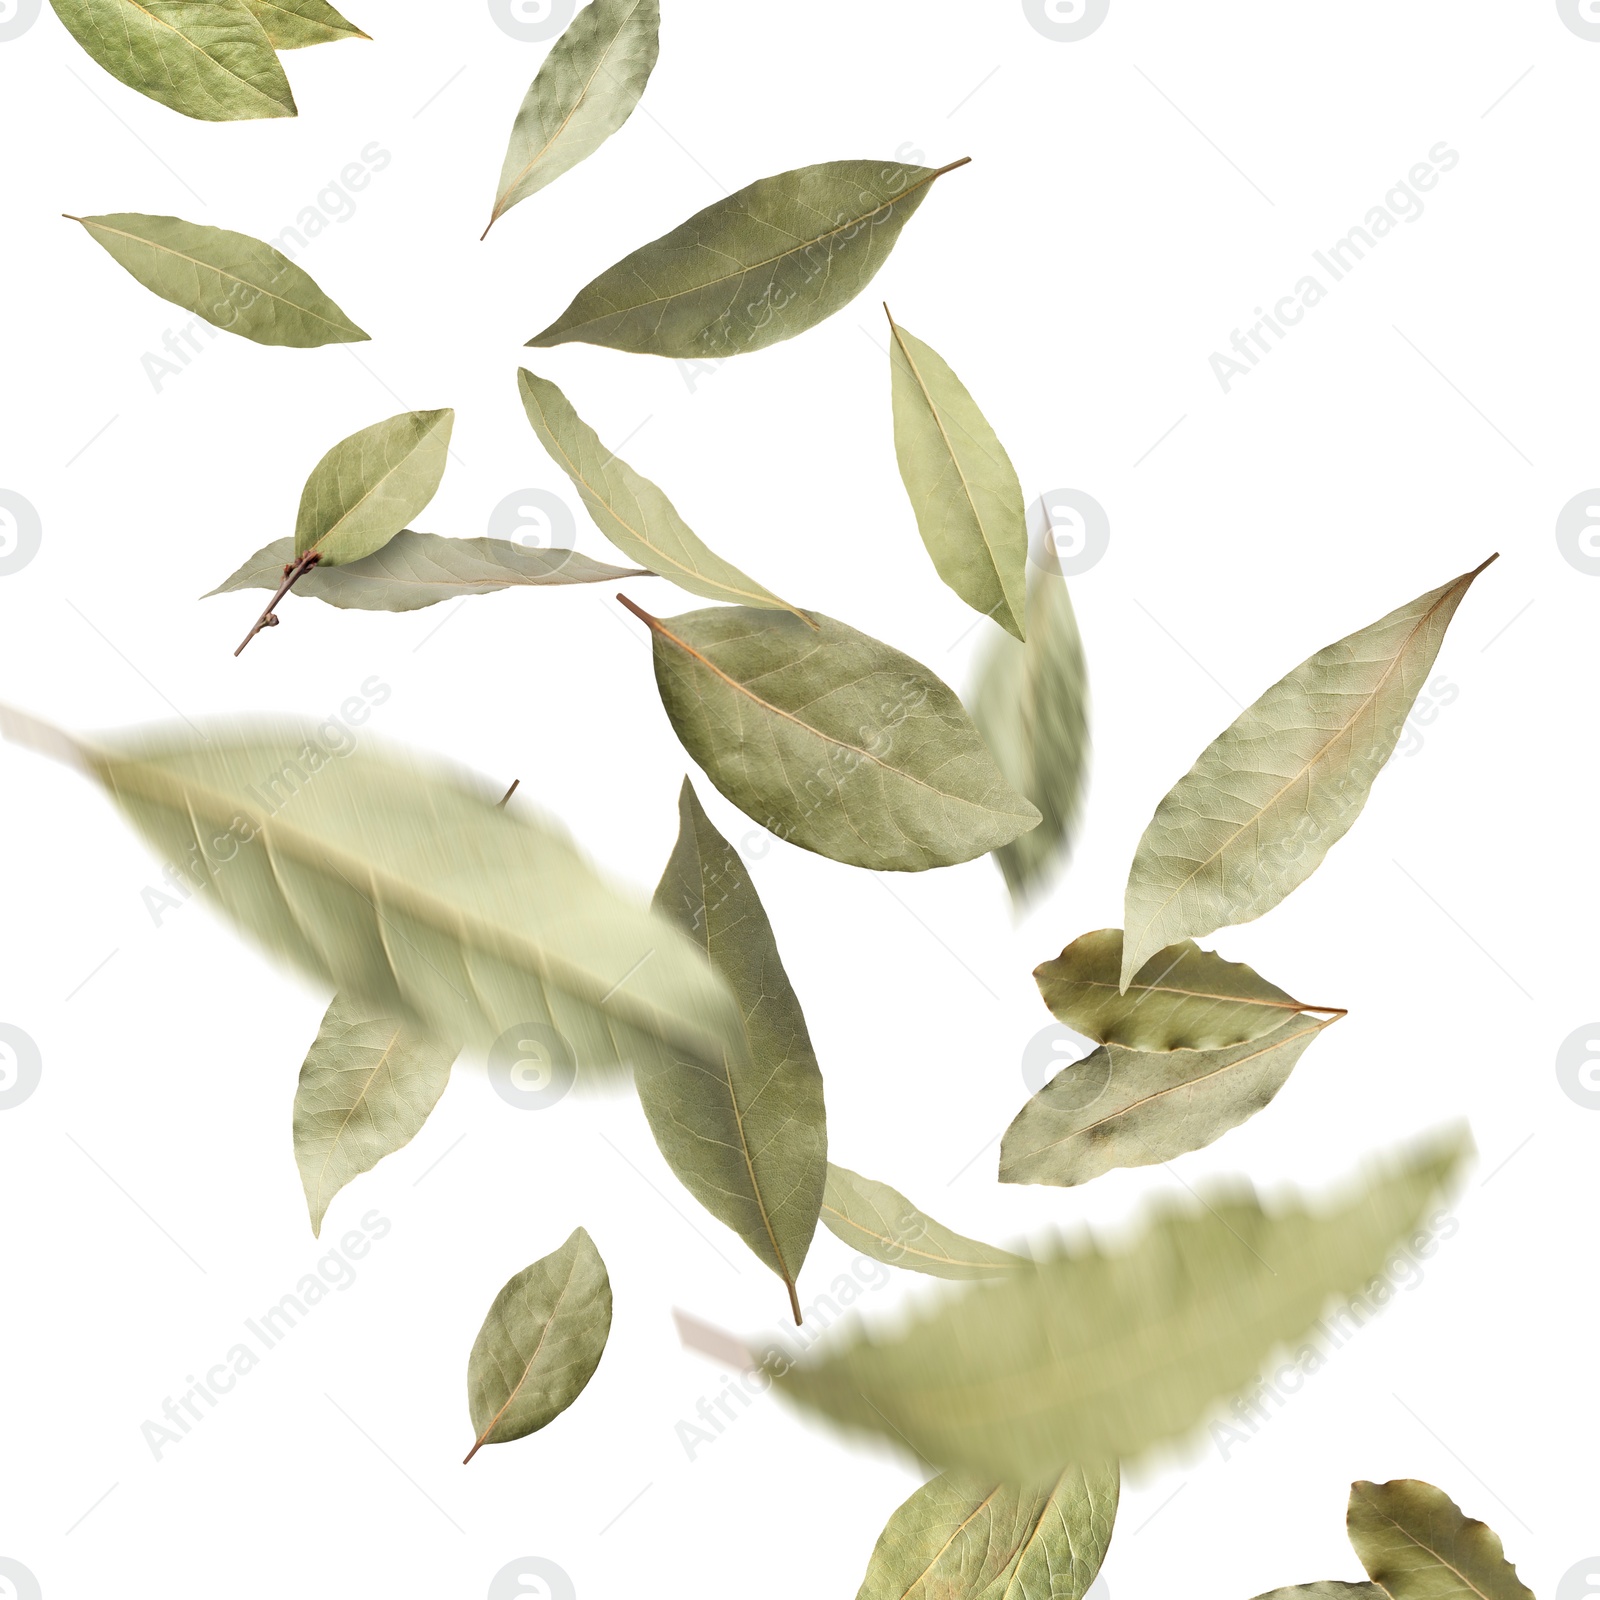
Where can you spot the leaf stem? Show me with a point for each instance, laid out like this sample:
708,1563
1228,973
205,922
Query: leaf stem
508,794
293,572
650,622
794,1300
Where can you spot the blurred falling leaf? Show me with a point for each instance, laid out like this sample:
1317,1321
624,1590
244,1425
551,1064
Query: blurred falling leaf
1268,798
1416,1544
540,1344
295,24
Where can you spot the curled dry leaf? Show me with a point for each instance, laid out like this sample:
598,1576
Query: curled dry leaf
1417,1544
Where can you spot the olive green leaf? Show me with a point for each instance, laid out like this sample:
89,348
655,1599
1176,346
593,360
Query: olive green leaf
1255,815
1329,1589
748,1139
760,266
958,1539
586,89
1416,1544
1134,1108
881,1223
832,740
630,510
395,880
234,282
540,1343
1031,704
1183,998
365,1090
369,486
209,59
1095,1356
294,24
420,569
963,487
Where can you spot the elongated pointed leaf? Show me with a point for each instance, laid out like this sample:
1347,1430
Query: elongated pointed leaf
421,569
586,89
963,487
957,1539
1133,1108
234,282
1183,998
1329,1589
396,880
295,24
209,59
630,510
1255,815
1031,704
365,1091
1096,1356
834,741
880,1222
749,1140
540,1344
760,266
1417,1544
369,486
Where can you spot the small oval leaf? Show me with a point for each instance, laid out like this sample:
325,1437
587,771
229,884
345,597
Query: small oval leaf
1328,1589
1417,1544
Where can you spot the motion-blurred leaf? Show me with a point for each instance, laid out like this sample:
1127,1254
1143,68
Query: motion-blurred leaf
759,266
294,24
1417,1544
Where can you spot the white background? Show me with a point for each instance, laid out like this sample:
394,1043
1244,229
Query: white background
1437,406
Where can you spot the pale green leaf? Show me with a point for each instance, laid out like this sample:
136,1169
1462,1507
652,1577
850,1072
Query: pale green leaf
585,90
209,59
1417,1544
1328,1589
833,740
540,1344
881,1223
1097,1355
759,266
1183,998
630,510
365,1091
1255,815
957,1539
234,282
420,569
369,486
963,488
1134,1108
1031,704
295,24
749,1137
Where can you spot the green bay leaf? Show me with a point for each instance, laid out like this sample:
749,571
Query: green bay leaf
963,488
1417,1544
629,509
585,90
832,740
296,24
1183,998
365,1091
1096,1355
1255,815
540,1343
208,59
881,1223
368,487
958,1539
1135,1108
748,1140
234,282
750,270
1328,1589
